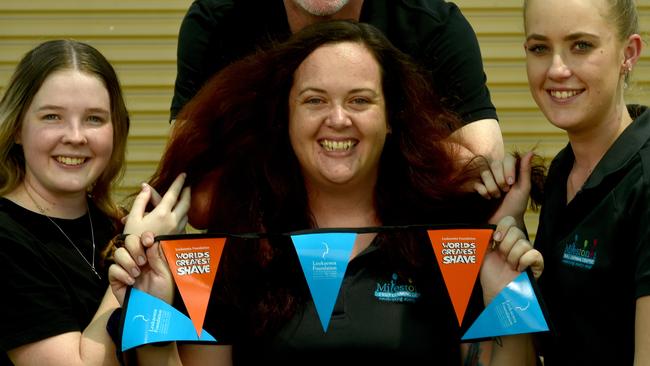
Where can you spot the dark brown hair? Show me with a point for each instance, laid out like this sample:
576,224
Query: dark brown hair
232,141
36,66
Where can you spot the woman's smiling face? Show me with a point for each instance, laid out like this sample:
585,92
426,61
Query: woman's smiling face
575,61
337,115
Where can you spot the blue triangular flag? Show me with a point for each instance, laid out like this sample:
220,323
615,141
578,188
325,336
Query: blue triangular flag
149,319
324,258
515,310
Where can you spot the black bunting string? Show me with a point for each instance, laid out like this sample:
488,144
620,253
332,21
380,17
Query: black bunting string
359,230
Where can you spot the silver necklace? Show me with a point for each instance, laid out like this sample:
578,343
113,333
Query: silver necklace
92,233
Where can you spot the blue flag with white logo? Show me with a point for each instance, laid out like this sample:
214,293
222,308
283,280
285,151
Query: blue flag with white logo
149,319
324,258
515,310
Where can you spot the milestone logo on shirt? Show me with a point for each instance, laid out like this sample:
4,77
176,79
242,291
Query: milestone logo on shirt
580,254
396,290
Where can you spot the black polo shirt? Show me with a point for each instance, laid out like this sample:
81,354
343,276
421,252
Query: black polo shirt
383,315
597,251
215,33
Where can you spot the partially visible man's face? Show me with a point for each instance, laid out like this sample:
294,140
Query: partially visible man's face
321,7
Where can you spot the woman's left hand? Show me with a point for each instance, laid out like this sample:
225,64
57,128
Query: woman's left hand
141,263
516,199
512,254
168,217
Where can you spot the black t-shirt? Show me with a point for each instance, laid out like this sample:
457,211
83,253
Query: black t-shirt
48,288
385,313
597,251
215,33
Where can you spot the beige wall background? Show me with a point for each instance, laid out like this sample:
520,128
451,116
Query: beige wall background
139,38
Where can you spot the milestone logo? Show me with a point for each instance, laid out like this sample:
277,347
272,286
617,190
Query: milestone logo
397,291
580,255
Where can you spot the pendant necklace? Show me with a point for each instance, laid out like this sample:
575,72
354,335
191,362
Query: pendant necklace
92,232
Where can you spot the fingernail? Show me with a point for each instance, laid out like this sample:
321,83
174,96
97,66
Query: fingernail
511,180
130,281
141,260
497,235
145,187
147,240
135,272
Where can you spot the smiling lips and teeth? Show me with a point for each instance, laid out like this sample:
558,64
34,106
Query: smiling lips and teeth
564,94
344,145
70,160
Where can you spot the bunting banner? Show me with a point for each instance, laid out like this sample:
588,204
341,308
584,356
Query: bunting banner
324,258
515,310
147,319
193,263
460,251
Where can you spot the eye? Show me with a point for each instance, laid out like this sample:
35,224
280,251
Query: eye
582,46
51,117
314,101
96,119
359,100
537,49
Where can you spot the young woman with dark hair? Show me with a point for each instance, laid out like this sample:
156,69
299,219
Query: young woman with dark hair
63,130
333,128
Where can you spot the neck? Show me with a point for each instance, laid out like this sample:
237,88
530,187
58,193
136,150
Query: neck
69,206
590,145
343,209
346,209
298,18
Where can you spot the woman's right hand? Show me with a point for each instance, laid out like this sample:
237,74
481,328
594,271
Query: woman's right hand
142,264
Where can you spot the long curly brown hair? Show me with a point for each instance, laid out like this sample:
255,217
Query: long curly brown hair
232,141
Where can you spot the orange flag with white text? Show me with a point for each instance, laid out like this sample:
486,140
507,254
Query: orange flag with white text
460,253
194,263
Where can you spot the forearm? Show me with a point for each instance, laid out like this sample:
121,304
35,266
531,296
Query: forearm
159,355
642,332
92,346
516,350
96,346
482,137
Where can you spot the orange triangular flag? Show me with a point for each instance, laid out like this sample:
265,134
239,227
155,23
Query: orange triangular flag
194,263
460,253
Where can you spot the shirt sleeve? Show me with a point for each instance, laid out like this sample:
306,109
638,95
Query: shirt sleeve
35,304
196,56
453,56
642,250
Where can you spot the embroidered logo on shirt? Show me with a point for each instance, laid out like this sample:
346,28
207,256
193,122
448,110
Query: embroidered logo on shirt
580,254
396,290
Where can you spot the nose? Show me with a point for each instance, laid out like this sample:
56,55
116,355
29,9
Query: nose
338,117
558,69
74,134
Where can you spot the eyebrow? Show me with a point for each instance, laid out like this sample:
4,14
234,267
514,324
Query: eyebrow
47,107
357,90
570,37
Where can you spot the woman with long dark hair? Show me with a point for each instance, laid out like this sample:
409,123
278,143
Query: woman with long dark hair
333,128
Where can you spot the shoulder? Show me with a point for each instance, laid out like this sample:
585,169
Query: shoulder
12,219
436,11
211,5
417,24
244,10
641,130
